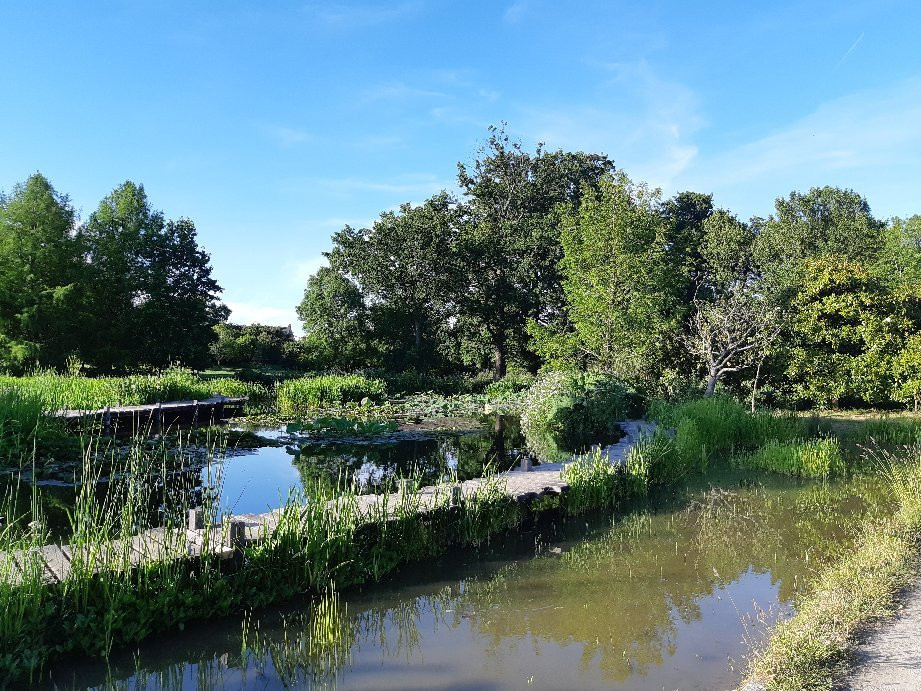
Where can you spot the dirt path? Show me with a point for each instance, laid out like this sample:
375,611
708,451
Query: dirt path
890,658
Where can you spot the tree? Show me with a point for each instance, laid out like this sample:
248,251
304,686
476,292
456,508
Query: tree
402,266
336,321
509,247
40,275
847,328
152,299
825,221
617,279
730,333
177,303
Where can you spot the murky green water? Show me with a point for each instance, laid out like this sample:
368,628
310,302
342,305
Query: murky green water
668,594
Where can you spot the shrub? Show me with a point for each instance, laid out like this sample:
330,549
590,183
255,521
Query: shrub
308,393
513,383
567,410
814,458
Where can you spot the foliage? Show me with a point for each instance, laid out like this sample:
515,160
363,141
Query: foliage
295,396
254,344
41,266
341,425
567,411
847,329
617,279
815,458
336,322
402,266
508,248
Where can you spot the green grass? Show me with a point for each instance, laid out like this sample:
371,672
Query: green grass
810,650
297,396
60,392
812,458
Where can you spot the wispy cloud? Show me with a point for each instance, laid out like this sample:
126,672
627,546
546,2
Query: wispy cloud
514,12
359,16
645,123
868,140
287,136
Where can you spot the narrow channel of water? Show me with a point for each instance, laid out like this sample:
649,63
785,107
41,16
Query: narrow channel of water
669,593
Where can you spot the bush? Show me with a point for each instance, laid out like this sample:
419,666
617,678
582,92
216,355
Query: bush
566,411
510,385
814,458
308,393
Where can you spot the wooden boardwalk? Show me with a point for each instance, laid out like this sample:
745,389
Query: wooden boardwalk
160,415
159,544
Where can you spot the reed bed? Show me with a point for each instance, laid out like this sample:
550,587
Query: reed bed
297,396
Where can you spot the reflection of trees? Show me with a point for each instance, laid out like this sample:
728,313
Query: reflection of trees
430,458
620,595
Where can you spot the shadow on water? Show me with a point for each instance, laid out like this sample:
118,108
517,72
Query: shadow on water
670,592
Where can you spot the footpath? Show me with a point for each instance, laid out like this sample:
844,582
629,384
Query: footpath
890,657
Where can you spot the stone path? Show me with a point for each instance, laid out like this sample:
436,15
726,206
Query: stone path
890,658
55,561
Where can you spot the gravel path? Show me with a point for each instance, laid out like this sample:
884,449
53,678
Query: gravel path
890,658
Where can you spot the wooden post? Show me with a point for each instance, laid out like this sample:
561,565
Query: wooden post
237,534
195,412
456,495
196,519
107,422
158,418
525,463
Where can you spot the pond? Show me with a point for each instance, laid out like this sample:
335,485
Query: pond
256,480
670,592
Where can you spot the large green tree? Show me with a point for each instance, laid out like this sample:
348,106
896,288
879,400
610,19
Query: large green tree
403,266
152,298
509,245
336,322
40,274
618,281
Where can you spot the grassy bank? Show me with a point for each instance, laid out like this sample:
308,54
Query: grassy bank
810,650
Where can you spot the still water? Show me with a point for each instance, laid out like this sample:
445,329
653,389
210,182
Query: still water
668,593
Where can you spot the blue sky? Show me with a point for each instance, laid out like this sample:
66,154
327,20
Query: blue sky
273,124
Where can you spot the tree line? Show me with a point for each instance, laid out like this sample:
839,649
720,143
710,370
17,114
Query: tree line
127,289
557,259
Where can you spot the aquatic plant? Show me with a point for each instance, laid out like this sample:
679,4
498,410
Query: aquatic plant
815,458
296,396
74,392
342,425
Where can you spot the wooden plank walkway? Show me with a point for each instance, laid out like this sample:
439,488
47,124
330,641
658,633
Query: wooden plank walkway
159,544
206,410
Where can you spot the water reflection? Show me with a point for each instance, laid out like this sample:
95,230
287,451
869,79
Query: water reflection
670,594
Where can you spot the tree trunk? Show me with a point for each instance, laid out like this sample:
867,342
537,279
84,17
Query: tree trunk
417,326
755,385
711,383
499,366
